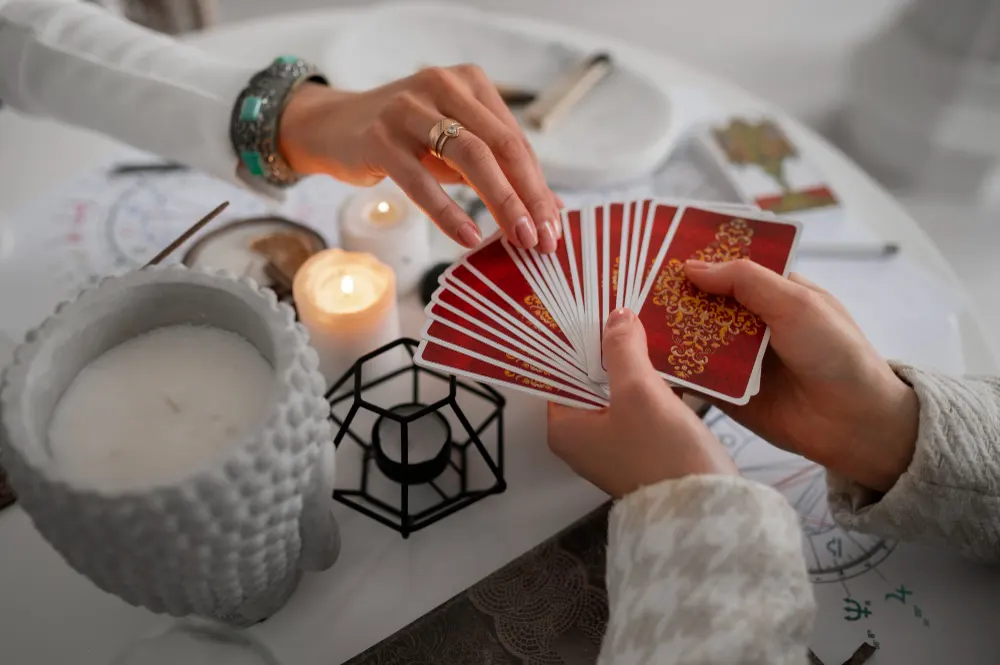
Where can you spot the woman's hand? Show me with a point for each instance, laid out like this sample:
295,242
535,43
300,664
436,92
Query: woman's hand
647,434
825,393
362,137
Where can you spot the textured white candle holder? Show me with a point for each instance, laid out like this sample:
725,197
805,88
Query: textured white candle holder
228,541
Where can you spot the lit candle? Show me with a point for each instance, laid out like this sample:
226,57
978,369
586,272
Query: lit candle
385,223
158,407
347,301
385,212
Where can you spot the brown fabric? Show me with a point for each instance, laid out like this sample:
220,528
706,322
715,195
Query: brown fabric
548,607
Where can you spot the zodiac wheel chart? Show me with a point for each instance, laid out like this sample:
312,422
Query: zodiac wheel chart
109,225
833,555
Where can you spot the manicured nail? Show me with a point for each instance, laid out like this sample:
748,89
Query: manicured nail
618,318
469,235
695,264
547,240
557,227
525,232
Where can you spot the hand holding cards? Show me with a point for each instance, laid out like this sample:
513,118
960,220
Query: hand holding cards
535,322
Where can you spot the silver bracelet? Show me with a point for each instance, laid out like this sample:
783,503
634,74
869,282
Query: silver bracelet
253,128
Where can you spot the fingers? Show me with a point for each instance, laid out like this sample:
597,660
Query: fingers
531,180
418,183
494,159
485,113
764,292
626,356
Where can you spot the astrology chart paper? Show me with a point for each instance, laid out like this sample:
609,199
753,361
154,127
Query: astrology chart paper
917,605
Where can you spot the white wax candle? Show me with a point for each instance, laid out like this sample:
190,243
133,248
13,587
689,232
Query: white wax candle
159,407
347,301
383,222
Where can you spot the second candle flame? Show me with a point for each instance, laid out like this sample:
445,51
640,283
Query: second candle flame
347,284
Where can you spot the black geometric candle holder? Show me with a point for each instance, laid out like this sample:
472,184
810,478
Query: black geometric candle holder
426,452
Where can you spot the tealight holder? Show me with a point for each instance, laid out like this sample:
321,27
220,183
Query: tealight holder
229,537
421,444
382,221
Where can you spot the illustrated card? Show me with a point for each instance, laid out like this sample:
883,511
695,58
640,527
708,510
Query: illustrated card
765,166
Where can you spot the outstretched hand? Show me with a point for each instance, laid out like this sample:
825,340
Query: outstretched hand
825,392
364,137
647,434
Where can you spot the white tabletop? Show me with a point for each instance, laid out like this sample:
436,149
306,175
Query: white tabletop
49,614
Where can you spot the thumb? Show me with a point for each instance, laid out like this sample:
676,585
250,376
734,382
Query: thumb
626,356
762,291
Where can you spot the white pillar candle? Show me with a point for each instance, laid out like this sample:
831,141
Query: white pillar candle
158,407
347,302
383,222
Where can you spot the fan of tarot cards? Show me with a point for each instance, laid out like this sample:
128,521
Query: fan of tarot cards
534,322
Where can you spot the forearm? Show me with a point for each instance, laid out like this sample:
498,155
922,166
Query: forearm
950,493
79,64
706,569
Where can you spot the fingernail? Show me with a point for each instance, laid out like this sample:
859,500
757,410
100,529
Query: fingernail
557,227
525,233
618,318
695,264
469,235
546,237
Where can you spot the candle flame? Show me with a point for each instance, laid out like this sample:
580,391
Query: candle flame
383,207
347,284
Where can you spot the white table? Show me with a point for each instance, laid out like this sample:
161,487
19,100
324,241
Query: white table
49,614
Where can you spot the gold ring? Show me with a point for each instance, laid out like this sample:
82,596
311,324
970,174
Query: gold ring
441,132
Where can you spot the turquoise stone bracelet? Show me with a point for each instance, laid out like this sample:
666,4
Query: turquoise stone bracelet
257,114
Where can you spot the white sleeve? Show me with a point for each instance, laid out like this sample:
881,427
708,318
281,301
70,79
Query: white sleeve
82,65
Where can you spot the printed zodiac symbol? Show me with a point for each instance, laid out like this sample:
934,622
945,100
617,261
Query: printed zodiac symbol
855,611
899,594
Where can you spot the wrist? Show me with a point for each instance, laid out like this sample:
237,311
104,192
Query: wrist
310,107
886,437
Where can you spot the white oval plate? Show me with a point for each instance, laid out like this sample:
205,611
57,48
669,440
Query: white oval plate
619,131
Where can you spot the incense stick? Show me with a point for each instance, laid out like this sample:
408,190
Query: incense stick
187,234
555,102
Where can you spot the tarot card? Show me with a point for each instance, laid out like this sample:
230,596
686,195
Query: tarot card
703,342
460,363
593,235
455,313
495,268
661,220
488,305
569,257
637,224
765,166
550,290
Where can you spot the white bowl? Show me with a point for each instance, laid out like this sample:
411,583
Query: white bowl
621,130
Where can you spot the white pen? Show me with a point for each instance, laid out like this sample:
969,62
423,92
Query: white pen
858,250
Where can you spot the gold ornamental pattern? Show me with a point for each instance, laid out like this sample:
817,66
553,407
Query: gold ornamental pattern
524,380
701,323
536,307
